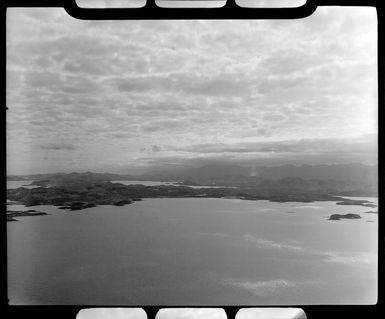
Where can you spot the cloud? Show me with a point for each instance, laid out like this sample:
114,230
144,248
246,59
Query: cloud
151,149
223,85
316,151
162,125
277,92
59,147
155,148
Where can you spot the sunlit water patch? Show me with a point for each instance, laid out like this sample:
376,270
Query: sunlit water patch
17,184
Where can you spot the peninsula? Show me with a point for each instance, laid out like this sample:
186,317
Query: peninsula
11,214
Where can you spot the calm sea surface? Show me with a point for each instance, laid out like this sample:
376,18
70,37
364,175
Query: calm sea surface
194,251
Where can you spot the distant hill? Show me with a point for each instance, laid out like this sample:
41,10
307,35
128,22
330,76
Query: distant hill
101,176
352,172
216,173
347,178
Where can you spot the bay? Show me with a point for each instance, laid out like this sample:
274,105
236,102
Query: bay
194,251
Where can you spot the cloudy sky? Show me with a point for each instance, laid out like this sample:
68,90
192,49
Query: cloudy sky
127,96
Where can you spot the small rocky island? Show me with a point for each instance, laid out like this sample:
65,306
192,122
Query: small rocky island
346,216
359,202
11,214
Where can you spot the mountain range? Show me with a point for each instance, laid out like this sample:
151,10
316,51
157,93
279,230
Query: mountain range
215,173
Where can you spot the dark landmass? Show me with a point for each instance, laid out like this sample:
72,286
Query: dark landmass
100,176
370,205
225,174
353,202
77,205
371,212
79,191
357,202
346,216
343,179
76,180
11,214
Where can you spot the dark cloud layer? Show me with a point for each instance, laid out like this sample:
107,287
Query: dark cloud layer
58,147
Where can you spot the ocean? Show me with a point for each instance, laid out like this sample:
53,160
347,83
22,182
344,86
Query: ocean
194,251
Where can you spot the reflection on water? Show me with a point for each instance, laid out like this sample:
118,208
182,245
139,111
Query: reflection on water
194,251
17,184
145,183
153,183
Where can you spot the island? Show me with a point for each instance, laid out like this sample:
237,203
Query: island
78,191
75,192
11,214
346,216
359,202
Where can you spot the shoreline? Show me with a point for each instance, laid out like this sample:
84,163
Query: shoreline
78,206
74,192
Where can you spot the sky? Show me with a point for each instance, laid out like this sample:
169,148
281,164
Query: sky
132,96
